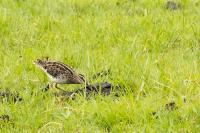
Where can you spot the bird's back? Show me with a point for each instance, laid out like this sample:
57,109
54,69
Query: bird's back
59,72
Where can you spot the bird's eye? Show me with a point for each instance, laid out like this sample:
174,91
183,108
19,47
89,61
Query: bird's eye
39,61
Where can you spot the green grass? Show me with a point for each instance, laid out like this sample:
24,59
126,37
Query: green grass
146,47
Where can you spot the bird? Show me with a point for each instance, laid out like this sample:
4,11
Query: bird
59,73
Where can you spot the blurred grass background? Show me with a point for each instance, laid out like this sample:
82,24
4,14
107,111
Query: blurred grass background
146,46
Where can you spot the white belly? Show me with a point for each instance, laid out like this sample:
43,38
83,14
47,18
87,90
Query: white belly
57,80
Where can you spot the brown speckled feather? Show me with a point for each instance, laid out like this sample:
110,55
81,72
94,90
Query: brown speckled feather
59,72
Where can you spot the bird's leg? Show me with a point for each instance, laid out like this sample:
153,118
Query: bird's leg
56,86
51,85
47,87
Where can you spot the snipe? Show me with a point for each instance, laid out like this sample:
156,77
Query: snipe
59,73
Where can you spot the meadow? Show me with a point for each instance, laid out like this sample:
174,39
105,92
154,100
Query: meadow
152,51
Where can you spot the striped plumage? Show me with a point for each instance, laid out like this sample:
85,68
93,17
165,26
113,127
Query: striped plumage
59,72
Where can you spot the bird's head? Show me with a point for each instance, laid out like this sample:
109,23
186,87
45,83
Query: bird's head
39,62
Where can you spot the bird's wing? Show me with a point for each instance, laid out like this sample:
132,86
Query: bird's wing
57,71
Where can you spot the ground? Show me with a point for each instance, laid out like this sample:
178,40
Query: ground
150,49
